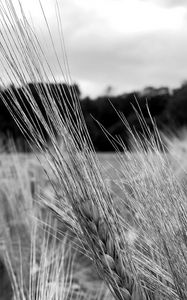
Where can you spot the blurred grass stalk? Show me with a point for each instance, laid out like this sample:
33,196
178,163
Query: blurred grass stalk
152,265
38,264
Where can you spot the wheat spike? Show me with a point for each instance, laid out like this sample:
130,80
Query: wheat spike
108,257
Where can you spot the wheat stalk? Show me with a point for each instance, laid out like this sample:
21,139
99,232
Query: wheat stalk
129,273
108,254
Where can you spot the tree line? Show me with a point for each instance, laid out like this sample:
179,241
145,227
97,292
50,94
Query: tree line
104,115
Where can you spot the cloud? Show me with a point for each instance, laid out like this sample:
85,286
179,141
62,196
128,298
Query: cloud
134,62
125,57
169,3
127,63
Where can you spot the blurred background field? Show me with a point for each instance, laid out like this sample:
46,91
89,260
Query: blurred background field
22,182
23,185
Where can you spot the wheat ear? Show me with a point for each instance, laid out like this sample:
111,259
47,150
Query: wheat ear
107,253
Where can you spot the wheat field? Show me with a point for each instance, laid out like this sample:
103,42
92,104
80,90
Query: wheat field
76,224
31,195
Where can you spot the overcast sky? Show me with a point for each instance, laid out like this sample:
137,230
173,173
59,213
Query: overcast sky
127,44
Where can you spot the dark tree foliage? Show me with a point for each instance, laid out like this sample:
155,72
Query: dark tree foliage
105,111
61,94
169,110
177,107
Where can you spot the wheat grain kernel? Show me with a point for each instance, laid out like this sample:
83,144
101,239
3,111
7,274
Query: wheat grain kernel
108,261
110,247
126,295
102,231
92,227
87,210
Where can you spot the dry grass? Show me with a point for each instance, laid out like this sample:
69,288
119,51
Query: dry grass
137,243
42,263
